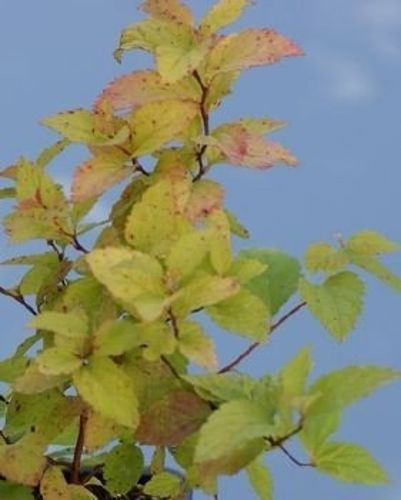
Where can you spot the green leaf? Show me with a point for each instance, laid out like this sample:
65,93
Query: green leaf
58,361
371,243
336,303
9,192
280,280
260,479
12,491
349,463
157,123
156,222
108,390
230,428
252,47
196,345
246,269
338,389
82,126
223,13
323,257
123,467
71,325
164,484
171,10
133,278
373,266
244,313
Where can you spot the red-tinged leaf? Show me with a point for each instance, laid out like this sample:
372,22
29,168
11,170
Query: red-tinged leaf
253,47
170,10
9,172
206,196
172,418
141,87
252,150
95,176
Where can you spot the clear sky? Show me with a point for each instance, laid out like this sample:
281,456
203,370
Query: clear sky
343,107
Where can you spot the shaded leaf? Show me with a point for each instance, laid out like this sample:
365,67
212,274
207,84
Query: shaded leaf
123,467
11,491
164,484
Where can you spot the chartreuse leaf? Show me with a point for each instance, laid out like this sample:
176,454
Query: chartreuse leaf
33,381
83,126
336,303
133,278
114,338
219,236
14,366
71,325
203,291
108,390
157,339
223,13
186,254
58,361
53,486
96,175
223,387
156,221
123,467
172,10
236,227
157,123
323,257
100,431
317,429
48,154
246,269
164,484
244,313
373,266
294,375
349,463
371,243
339,389
11,491
230,428
252,47
195,345
280,280
260,479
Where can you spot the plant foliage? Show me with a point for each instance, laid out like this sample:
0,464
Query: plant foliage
115,327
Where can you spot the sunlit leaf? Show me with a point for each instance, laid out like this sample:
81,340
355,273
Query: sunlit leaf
206,196
323,257
370,243
48,154
57,361
223,13
196,345
219,241
73,325
260,479
373,266
172,10
337,303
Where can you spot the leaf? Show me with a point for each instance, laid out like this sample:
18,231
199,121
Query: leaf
349,463
12,491
33,381
99,431
171,417
206,197
222,387
131,277
204,291
143,87
48,154
260,479
108,390
70,325
196,345
58,361
186,254
95,176
371,243
337,303
323,257
123,467
236,227
252,47
246,269
230,428
373,266
9,192
338,389
164,484
219,241
115,338
280,280
157,123
244,313
157,339
171,10
82,126
53,486
223,13
293,377
156,221
317,429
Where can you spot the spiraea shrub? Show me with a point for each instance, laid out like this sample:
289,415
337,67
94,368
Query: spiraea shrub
116,323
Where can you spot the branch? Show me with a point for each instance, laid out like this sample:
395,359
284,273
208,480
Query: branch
236,361
174,324
79,448
78,245
18,298
139,168
59,253
293,459
206,127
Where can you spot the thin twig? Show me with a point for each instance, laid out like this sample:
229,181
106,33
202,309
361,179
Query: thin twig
79,448
293,459
174,323
206,127
236,361
18,298
139,167
277,441
59,253
78,245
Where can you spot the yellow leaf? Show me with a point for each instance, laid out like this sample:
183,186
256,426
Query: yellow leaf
219,241
196,345
172,10
223,13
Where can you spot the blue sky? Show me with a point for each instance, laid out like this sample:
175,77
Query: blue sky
343,107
